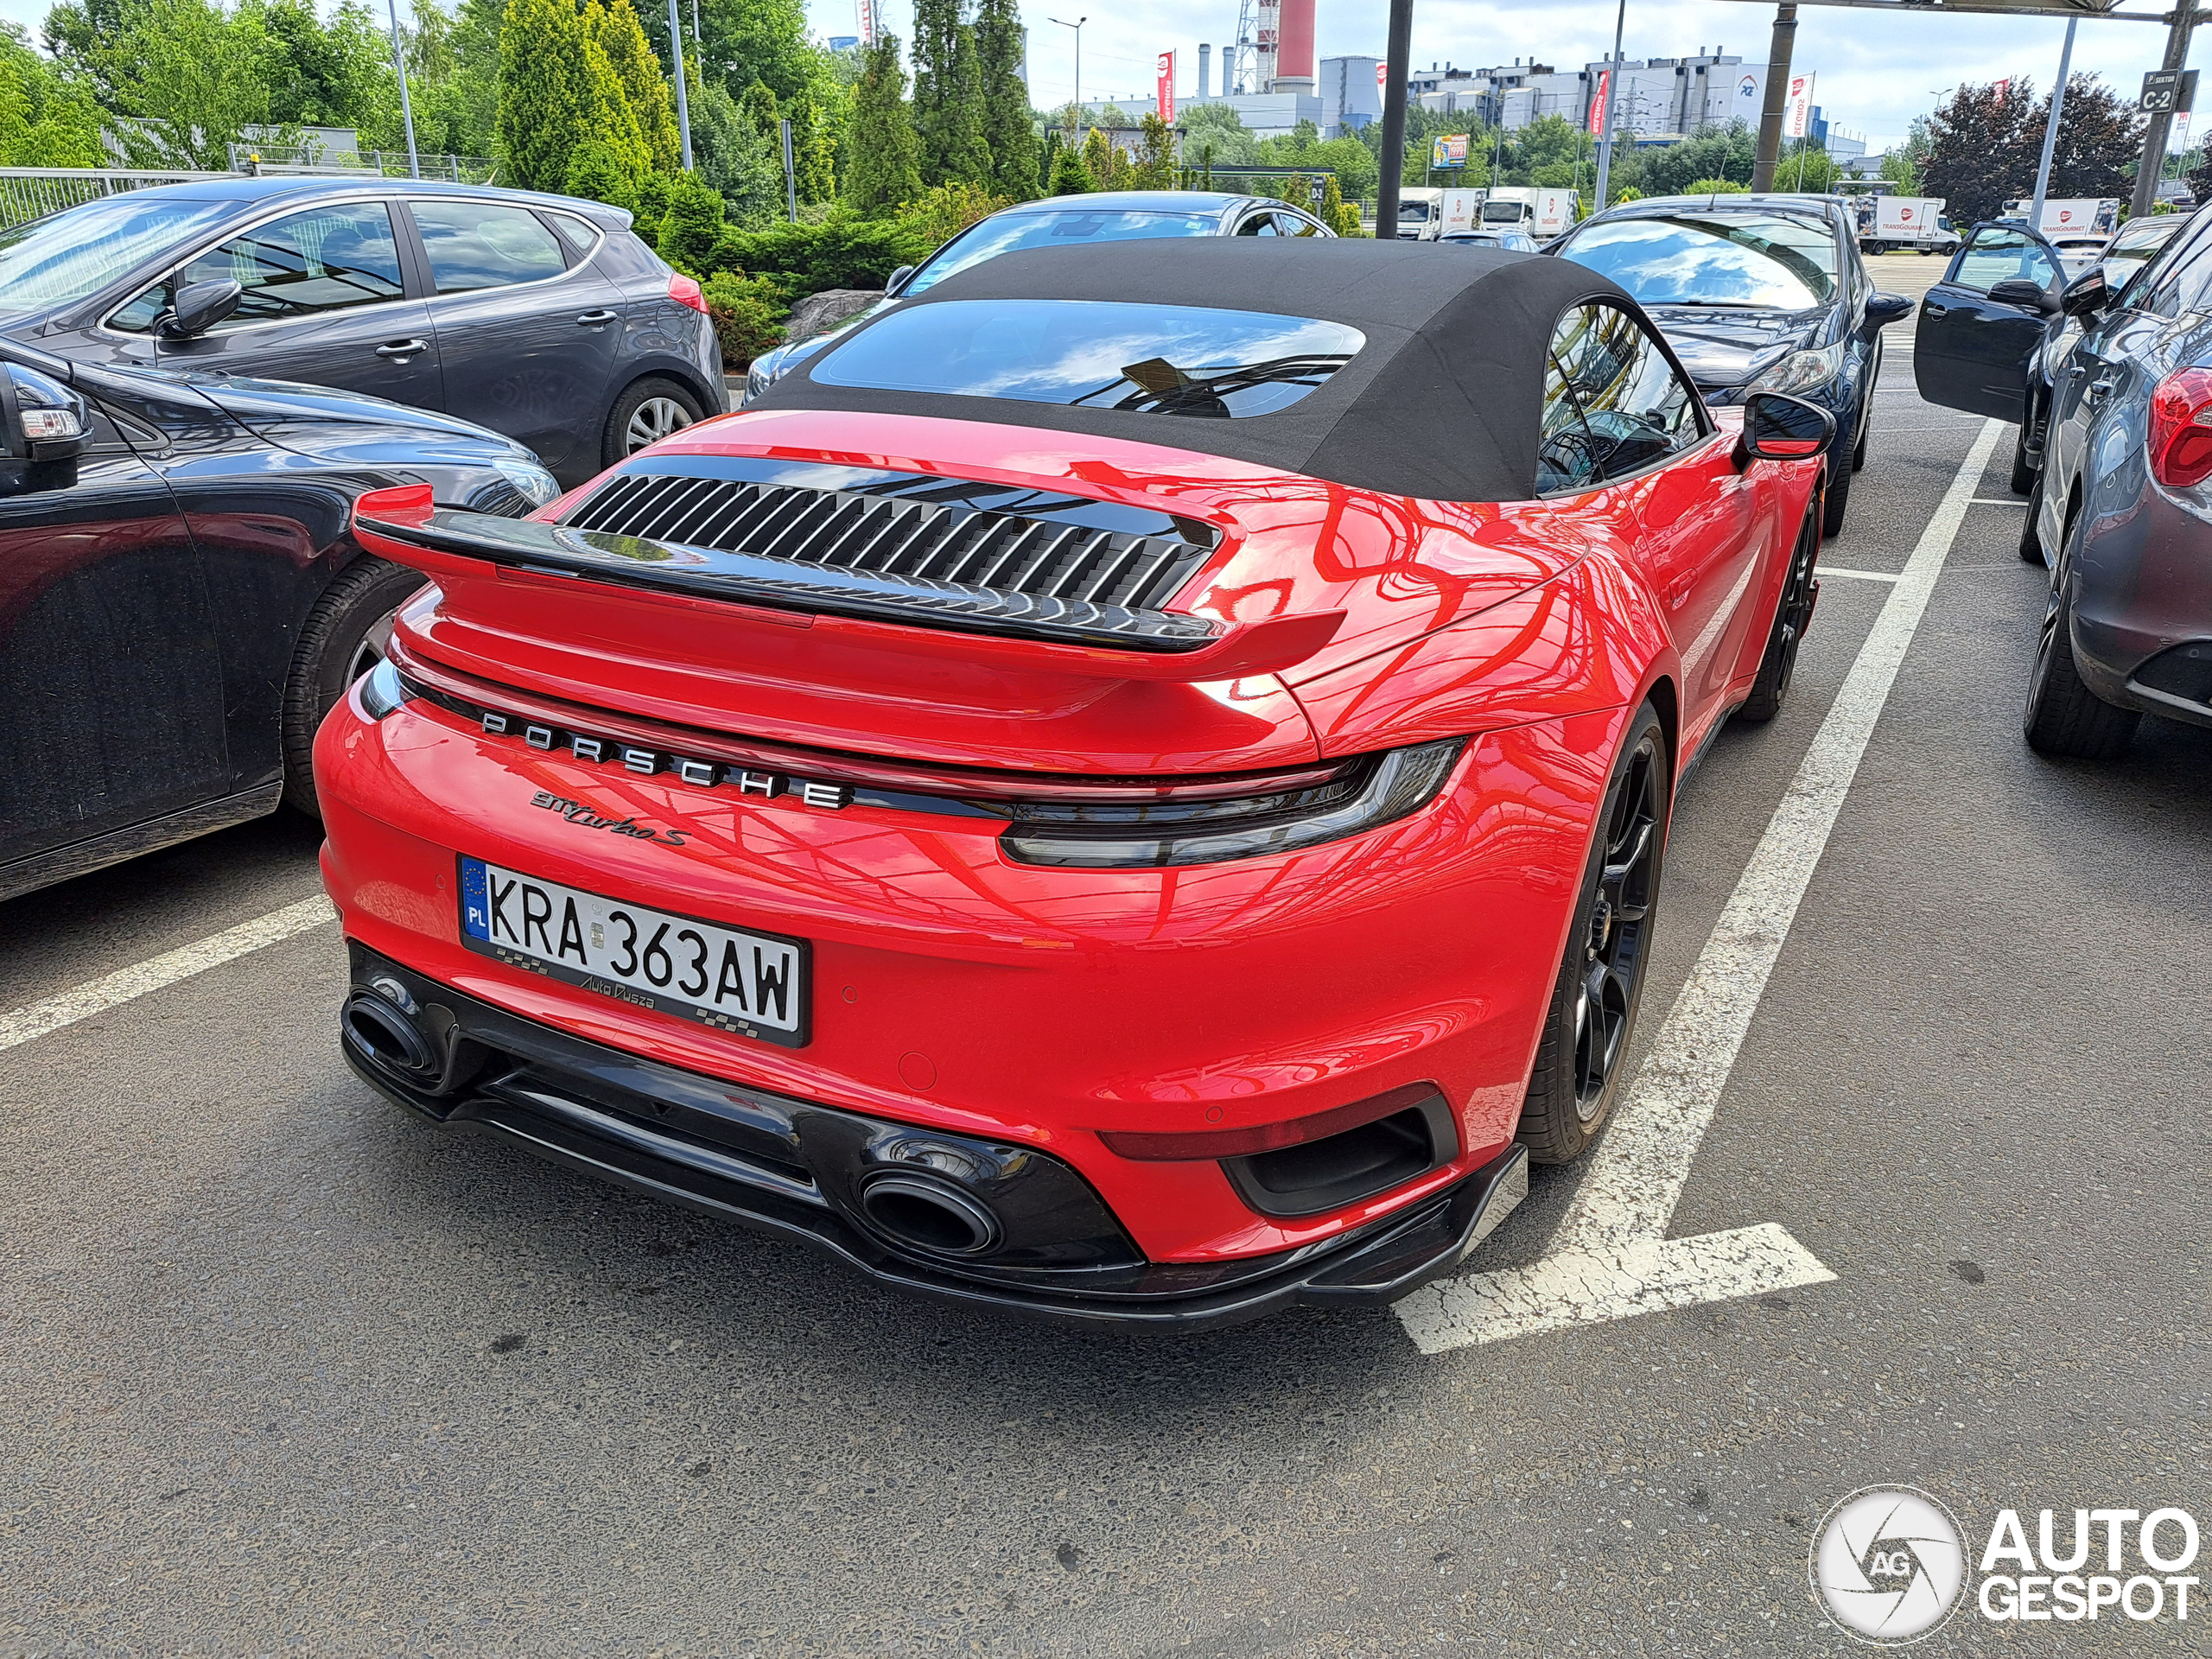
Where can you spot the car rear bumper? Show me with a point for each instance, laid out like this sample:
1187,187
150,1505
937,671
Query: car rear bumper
795,1169
2142,610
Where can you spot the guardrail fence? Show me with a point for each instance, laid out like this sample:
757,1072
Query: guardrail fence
28,193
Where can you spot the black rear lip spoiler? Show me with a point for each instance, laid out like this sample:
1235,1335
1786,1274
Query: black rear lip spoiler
784,585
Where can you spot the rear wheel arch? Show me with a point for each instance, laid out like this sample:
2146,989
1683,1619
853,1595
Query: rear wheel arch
1661,695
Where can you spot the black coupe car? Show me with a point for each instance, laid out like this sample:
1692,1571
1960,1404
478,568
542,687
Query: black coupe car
1756,294
181,597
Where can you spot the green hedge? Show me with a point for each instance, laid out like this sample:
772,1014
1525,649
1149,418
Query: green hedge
841,251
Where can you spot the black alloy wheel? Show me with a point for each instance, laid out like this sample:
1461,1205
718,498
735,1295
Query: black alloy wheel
1791,616
1577,1074
2032,537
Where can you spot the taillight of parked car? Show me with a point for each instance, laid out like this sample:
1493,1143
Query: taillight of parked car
685,291
2181,428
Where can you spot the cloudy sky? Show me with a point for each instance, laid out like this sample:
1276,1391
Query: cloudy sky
1875,73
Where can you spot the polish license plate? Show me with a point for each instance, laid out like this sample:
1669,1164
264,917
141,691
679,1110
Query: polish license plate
732,978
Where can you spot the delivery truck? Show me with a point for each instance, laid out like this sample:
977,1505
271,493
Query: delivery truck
2071,215
1916,224
1541,211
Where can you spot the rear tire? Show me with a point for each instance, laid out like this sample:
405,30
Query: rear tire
2024,471
2063,717
343,638
1779,661
1584,1048
1837,500
645,413
2031,539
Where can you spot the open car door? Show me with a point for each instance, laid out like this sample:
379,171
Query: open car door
1979,326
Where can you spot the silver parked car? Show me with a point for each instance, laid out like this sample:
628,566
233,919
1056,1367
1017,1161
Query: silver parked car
1059,222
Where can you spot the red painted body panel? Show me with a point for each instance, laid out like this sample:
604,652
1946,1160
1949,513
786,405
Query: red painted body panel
1046,1005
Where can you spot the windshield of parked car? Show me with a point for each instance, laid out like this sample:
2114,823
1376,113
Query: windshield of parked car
1162,359
1777,262
1006,233
68,254
2137,240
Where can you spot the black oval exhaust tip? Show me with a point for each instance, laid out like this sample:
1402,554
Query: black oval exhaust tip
389,1035
929,1215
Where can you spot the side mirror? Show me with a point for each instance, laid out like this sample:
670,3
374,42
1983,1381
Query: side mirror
2018,290
1883,309
1777,427
199,307
898,279
2087,296
45,427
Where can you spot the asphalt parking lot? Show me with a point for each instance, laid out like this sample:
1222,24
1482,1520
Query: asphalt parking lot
284,1369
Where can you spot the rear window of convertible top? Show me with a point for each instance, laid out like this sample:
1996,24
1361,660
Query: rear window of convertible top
1160,360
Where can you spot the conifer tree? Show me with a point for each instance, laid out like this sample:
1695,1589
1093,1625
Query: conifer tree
948,97
1098,159
644,82
556,90
1155,166
814,151
881,170
1006,134
1069,176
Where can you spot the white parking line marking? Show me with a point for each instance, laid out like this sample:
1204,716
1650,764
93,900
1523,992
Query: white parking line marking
1612,1257
1862,575
97,996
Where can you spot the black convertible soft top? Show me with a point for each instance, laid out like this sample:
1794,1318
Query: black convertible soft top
1445,400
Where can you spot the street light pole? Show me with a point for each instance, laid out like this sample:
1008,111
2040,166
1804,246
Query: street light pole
2051,129
683,98
2154,136
1077,26
406,109
1605,115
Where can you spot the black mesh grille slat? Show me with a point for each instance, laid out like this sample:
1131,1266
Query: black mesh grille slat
941,530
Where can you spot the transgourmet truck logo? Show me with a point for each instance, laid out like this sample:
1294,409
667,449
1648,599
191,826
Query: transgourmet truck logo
1890,1565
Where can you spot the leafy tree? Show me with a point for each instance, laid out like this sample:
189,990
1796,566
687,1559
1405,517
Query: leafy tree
334,74
556,89
1712,188
882,173
616,26
1805,166
733,156
1725,153
1902,166
1113,115
1007,135
1155,164
188,78
46,120
2100,142
945,210
1983,145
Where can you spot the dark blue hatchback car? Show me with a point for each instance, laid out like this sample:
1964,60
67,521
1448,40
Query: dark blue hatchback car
545,319
1755,292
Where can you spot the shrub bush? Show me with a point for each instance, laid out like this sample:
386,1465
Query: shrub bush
596,173
747,313
843,250
692,224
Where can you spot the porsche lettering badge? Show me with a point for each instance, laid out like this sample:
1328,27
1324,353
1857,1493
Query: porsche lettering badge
703,774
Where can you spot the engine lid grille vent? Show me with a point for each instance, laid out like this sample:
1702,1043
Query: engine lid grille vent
906,526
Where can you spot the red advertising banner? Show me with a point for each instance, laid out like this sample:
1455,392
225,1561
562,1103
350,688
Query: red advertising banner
1598,103
1164,71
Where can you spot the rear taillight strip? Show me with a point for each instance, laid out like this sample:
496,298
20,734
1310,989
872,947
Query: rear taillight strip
920,786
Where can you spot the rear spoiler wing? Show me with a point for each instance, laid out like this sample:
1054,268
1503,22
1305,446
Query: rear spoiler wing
920,617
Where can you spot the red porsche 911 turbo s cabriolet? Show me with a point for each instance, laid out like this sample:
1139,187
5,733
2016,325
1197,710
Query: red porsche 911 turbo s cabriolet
1131,787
